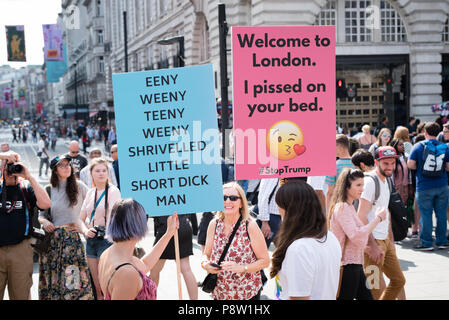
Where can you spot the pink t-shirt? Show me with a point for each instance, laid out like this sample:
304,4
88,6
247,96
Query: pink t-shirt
346,224
88,205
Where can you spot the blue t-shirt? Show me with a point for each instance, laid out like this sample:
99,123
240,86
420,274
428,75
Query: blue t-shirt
423,182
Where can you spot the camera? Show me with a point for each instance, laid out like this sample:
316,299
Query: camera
12,168
101,232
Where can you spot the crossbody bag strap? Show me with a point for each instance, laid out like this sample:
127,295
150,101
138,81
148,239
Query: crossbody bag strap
96,204
225,250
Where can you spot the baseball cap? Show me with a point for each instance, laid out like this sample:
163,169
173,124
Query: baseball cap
56,160
385,153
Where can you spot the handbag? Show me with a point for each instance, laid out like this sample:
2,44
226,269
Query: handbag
42,244
42,238
210,282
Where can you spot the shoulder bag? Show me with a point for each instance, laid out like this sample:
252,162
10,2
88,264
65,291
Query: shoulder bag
210,282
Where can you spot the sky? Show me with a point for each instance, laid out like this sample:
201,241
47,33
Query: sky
32,14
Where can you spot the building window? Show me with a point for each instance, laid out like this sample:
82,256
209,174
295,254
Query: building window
101,64
328,15
353,20
99,9
355,17
392,28
446,31
100,36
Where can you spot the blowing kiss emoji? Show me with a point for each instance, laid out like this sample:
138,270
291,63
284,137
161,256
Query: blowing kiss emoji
285,140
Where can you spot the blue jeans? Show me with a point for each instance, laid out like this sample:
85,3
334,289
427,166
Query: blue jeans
429,200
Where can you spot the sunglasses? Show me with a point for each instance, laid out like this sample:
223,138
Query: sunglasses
232,198
386,135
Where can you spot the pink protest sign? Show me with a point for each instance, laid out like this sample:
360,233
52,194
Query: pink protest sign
284,101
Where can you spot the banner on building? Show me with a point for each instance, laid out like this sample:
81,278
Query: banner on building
167,130
15,38
284,101
53,44
21,92
56,69
7,97
39,107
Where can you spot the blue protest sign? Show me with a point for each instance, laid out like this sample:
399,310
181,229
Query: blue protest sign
168,142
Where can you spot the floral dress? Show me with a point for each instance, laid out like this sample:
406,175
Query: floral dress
230,285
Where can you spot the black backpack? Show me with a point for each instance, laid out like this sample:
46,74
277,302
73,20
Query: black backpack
398,212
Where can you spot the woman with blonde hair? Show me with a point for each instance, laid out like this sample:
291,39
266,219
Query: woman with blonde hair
96,209
239,276
403,134
383,139
366,139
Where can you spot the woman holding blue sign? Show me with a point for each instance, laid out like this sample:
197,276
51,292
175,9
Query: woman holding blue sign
239,271
97,208
122,275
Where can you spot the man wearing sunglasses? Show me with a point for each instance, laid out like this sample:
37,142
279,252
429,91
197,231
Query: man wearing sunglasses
78,161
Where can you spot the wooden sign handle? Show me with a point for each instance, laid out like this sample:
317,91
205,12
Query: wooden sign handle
178,265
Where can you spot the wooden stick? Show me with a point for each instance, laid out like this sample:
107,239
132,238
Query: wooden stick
178,265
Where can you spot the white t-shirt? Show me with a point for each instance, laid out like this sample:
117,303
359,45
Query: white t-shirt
41,147
311,267
369,193
317,183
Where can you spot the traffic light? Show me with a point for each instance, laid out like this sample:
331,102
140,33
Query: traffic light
352,91
341,89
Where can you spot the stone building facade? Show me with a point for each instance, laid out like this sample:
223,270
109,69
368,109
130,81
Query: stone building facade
395,53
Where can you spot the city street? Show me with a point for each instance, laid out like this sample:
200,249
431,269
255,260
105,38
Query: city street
425,272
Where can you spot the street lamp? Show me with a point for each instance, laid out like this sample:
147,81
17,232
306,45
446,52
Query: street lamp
180,41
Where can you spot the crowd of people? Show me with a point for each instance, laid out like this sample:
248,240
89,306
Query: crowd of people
332,237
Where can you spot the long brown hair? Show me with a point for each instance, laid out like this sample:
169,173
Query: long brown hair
71,188
340,194
303,218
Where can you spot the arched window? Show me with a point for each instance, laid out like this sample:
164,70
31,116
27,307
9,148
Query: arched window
392,27
355,21
363,21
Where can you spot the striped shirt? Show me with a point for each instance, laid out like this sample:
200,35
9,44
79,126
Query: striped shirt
341,164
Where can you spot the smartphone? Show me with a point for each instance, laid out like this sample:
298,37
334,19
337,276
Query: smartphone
215,265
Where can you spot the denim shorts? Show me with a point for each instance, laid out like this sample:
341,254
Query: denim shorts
95,247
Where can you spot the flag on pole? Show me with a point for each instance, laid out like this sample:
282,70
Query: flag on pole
56,69
53,45
15,38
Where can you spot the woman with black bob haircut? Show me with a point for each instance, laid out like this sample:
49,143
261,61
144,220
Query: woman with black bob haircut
123,276
306,262
63,270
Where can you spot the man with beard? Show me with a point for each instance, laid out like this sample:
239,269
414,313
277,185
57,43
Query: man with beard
380,253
